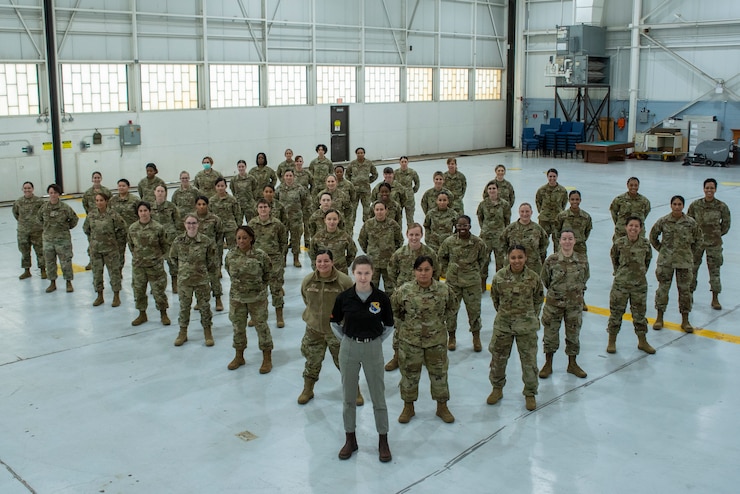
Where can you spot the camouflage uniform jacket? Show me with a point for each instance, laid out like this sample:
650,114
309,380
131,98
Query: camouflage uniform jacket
631,261
146,188
242,188
463,260
284,167
531,236
423,315
676,240
623,206
505,191
409,180
429,199
319,295
305,178
493,217
195,258
184,200
262,176
320,169
339,200
250,273
550,201
362,174
380,239
713,217
294,199
167,215
271,237
125,207
107,231
395,211
579,222
517,294
148,243
26,213
401,267
316,222
277,211
340,244
206,181
565,279
88,198
57,220
348,188
398,192
211,226
457,183
227,208
439,224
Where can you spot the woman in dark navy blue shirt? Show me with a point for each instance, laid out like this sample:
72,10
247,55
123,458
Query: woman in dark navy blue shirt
362,318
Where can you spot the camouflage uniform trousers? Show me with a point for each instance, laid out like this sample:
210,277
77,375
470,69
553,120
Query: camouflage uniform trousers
551,227
26,240
572,316
410,360
215,281
203,295
506,329
471,295
155,276
306,229
388,285
497,247
363,197
409,207
61,248
313,348
664,274
110,260
248,211
295,232
618,298
277,280
239,312
715,259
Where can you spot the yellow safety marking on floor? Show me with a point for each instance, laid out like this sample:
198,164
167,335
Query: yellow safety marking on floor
569,187
730,184
76,268
706,333
82,215
514,169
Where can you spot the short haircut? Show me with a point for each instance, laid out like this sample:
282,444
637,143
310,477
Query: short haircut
325,251
422,259
124,180
362,260
54,187
711,180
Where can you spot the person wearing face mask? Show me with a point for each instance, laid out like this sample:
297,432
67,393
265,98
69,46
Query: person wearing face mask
551,200
529,234
564,275
463,261
333,238
149,183
205,180
517,296
166,214
627,205
30,230
57,219
362,173
194,255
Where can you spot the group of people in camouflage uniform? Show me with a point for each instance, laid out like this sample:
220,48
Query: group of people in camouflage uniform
320,203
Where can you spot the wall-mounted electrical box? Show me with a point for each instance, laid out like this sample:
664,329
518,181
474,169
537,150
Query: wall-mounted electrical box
130,135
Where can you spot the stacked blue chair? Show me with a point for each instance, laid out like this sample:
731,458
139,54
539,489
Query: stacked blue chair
550,135
577,134
530,142
561,140
541,137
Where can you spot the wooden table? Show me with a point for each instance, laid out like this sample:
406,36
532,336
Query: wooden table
603,151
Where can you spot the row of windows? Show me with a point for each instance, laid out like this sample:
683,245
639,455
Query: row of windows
104,87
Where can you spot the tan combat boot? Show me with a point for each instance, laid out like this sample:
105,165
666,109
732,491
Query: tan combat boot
238,359
70,288
611,347
360,400
116,299
141,319
530,403
174,284
219,304
384,451
658,324
477,347
266,366
279,315
99,300
574,368
495,396
208,336
444,413
407,413
296,262
715,301
52,286
43,273
643,344
350,446
164,318
307,393
392,363
547,368
25,274
250,323
182,336
685,324
451,341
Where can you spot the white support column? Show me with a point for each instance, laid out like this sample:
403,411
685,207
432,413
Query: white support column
520,70
634,67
